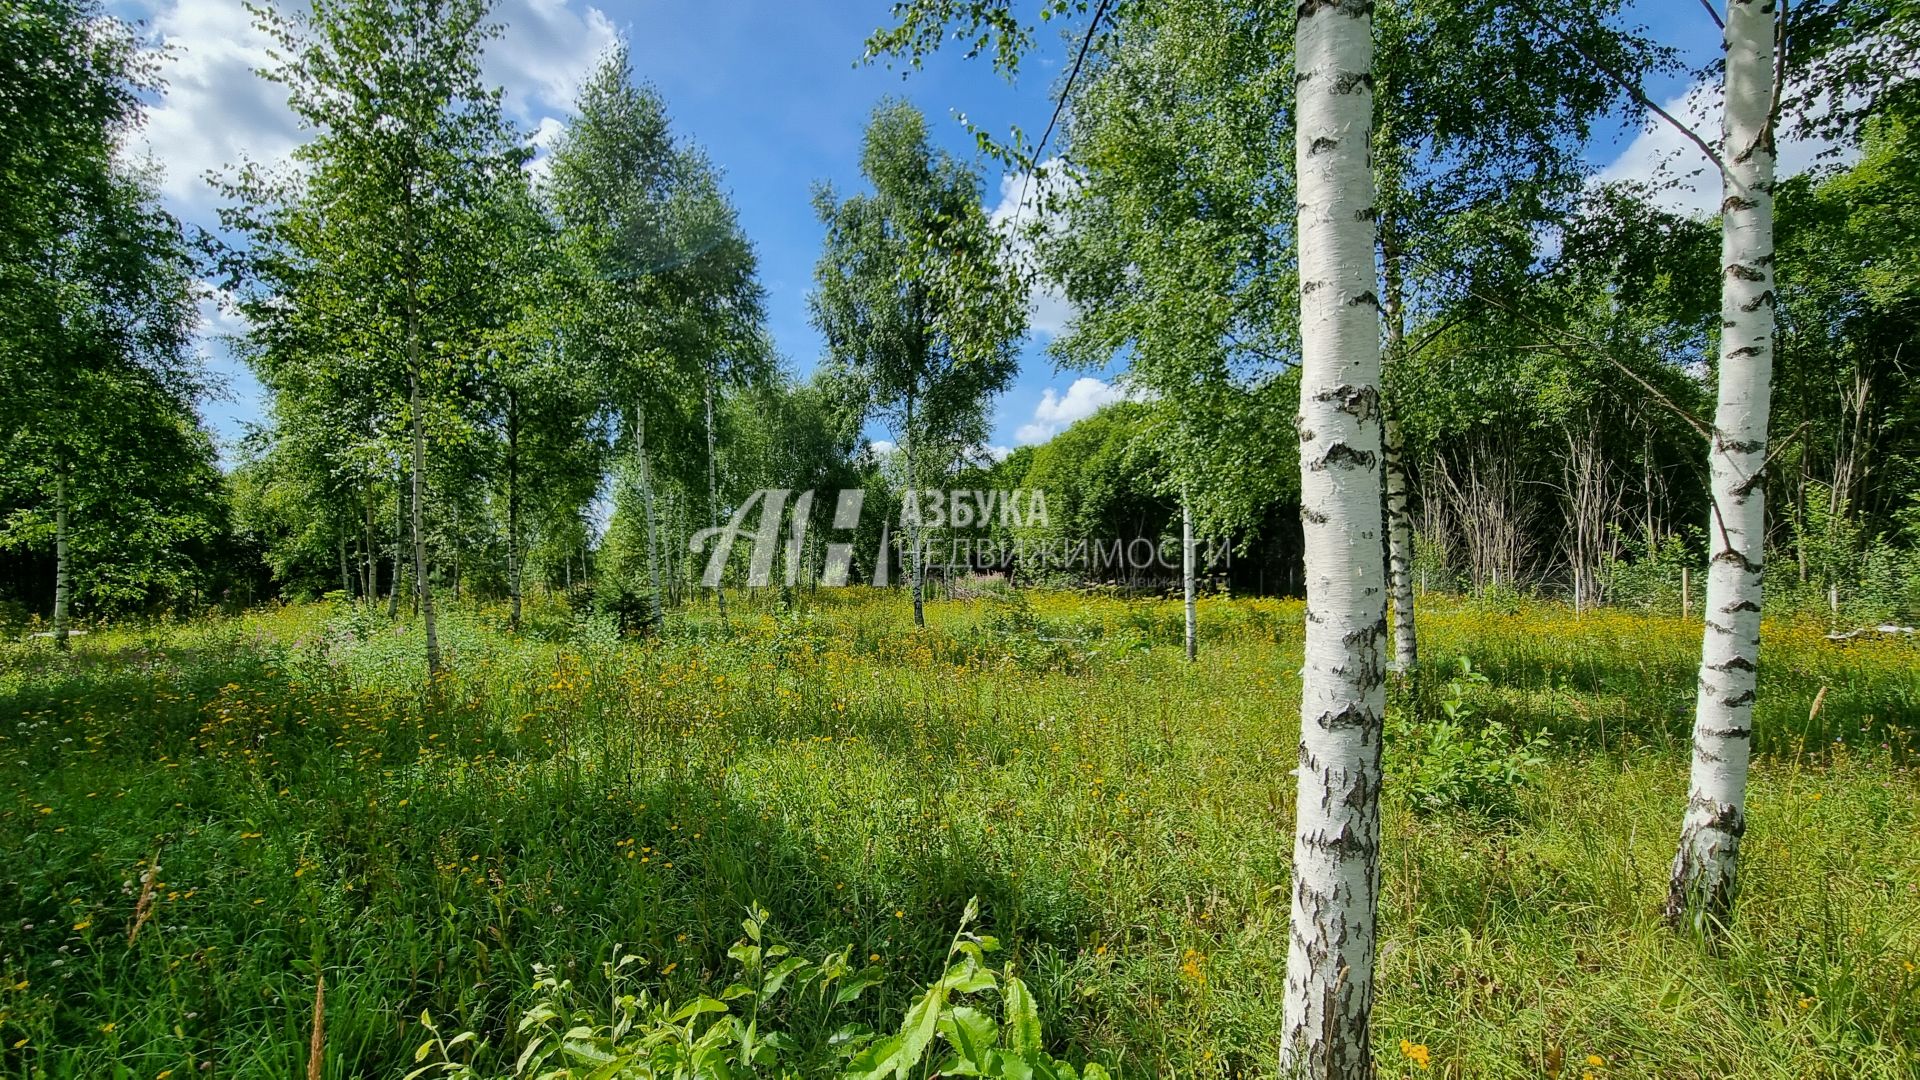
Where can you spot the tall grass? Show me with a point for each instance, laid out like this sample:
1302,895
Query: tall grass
1124,818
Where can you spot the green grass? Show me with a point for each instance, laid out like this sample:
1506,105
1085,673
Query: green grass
1125,820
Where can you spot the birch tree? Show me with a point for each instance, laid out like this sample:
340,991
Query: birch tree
1336,852
102,463
915,301
380,227
1702,885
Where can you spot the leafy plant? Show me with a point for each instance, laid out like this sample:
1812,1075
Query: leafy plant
640,1035
1454,764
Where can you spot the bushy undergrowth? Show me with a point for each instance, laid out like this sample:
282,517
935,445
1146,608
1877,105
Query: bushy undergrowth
197,821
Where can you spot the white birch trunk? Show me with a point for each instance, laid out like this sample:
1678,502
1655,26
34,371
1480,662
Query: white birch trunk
422,586
913,526
513,513
1701,890
1186,578
399,541
1336,867
62,571
1406,647
659,615
713,499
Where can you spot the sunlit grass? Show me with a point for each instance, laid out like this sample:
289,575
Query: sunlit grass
1125,819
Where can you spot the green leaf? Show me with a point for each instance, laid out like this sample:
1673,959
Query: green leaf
858,984
1022,1018
972,1035
695,1008
922,1021
879,1060
968,976
778,976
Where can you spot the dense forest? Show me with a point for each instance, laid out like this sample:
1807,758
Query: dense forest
1387,340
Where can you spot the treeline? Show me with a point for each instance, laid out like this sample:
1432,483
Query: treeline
490,373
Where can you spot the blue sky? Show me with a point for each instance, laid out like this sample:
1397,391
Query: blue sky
770,89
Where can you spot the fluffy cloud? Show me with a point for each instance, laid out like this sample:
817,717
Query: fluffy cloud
1048,310
1683,179
1057,412
217,112
547,49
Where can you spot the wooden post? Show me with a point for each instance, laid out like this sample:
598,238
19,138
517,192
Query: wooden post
1686,594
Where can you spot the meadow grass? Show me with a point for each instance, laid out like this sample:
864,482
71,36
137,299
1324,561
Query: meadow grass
1124,818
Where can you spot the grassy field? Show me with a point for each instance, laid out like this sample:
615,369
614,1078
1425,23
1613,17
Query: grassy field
1124,819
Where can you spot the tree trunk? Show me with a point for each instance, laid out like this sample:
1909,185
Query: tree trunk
913,524
659,616
1406,649
513,514
62,571
399,544
422,586
346,571
1336,866
1701,890
713,499
370,568
1186,577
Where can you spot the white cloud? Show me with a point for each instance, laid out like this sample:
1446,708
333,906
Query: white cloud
882,447
1683,179
217,112
543,138
1057,412
1048,310
546,50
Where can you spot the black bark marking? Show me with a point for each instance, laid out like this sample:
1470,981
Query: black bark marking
1738,700
1342,454
1323,143
1348,82
1360,402
1363,298
1738,663
1349,716
1746,273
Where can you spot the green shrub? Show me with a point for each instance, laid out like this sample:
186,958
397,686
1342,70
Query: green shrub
739,1033
1453,764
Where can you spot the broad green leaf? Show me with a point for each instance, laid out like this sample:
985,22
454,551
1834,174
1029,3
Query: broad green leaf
1022,1018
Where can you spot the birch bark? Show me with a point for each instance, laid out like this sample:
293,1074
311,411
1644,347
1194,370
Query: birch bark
1336,869
62,571
1701,889
1186,578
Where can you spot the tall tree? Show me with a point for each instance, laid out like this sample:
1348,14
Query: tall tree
373,245
1336,852
1701,889
663,301
916,301
102,461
